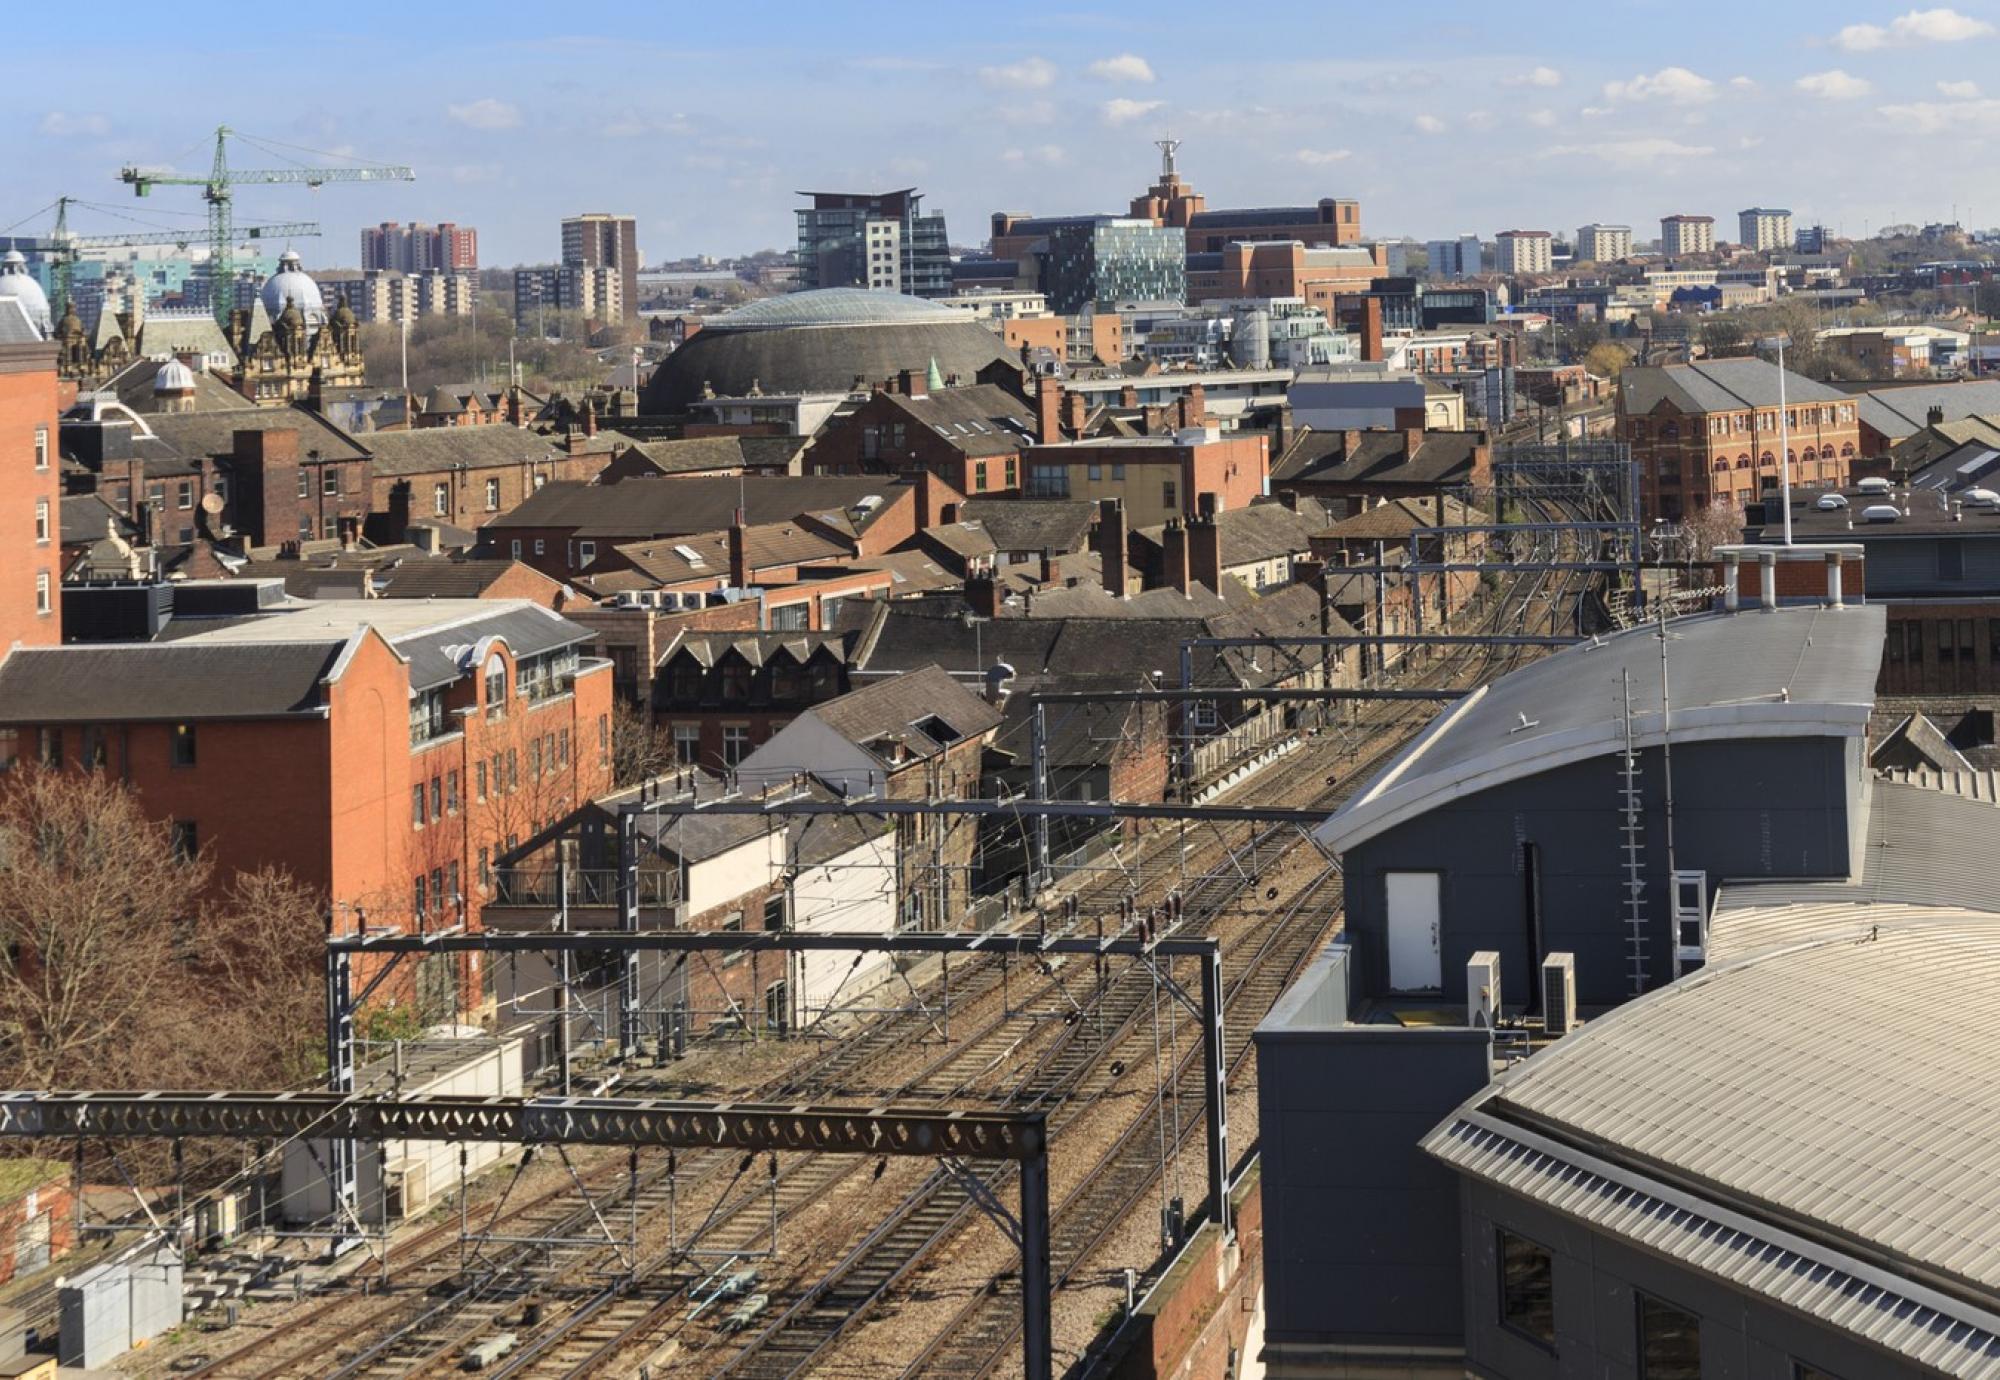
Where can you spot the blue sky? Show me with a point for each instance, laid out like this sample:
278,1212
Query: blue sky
702,120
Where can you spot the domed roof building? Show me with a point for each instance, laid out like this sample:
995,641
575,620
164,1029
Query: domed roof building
16,282
293,284
821,341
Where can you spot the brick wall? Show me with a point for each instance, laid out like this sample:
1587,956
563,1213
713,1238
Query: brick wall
28,406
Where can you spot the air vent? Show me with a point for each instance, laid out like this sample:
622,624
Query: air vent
1881,512
1831,503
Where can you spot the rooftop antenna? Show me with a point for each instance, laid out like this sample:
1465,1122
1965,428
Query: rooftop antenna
1167,147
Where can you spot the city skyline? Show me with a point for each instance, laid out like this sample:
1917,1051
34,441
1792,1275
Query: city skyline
704,131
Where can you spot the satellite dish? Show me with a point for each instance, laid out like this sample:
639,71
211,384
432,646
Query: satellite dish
212,504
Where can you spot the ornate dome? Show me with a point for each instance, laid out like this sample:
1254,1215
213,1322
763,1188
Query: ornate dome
18,283
173,377
292,284
821,341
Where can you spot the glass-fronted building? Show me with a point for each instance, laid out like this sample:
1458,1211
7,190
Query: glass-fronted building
1107,259
879,240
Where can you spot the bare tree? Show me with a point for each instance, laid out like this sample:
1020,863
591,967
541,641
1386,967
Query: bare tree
1717,524
640,748
93,900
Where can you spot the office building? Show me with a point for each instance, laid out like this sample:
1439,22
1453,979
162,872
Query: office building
1811,239
1524,251
1603,244
1687,235
1330,222
1464,257
1761,227
1113,259
879,240
599,241
420,248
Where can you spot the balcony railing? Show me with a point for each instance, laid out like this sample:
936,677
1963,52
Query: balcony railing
551,886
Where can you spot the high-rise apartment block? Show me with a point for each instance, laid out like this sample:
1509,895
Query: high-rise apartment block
879,240
382,295
1464,257
598,293
1687,235
599,241
1524,251
1761,227
420,248
1603,244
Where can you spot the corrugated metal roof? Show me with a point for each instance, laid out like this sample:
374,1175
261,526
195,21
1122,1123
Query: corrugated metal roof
1790,672
1843,1087
1919,1324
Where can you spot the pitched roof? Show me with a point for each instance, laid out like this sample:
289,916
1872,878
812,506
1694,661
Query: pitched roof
1258,532
1719,385
1399,517
982,419
15,327
697,454
133,386
662,507
894,709
1897,412
167,681
427,450
1033,524
1792,672
213,433
447,577
88,518
707,648
705,555
1443,457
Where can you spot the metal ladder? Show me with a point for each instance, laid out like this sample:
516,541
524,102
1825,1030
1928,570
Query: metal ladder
1633,825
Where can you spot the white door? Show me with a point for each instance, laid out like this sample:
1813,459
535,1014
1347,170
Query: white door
1413,932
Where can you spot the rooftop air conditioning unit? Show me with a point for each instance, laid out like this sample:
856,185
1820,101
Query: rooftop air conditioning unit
1830,503
1881,512
1482,990
1874,484
1559,994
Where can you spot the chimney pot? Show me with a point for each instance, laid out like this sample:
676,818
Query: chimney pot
1111,544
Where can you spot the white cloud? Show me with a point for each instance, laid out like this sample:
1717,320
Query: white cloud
63,124
1676,85
1631,153
1591,112
1959,90
1935,117
1918,26
1542,119
1319,158
1834,85
1049,155
1535,76
486,113
1029,74
1742,83
1122,110
1124,67
1428,124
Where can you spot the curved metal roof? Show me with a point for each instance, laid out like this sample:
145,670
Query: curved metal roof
832,307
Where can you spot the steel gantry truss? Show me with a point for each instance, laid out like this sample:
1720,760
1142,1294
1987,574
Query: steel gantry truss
1017,1136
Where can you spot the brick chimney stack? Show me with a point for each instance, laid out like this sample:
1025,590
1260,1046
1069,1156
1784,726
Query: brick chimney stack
1204,546
739,554
1051,568
1413,441
1191,408
982,591
1048,411
1111,543
1174,547
1075,413
1371,329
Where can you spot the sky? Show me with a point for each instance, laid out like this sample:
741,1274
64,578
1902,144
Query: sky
703,120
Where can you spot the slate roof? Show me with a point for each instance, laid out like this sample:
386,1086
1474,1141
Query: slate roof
172,681
766,546
1898,412
707,648
1443,457
1720,385
979,420
1033,524
1792,672
893,708
15,327
87,518
213,433
1258,532
1396,519
428,450
640,508
133,386
697,454
442,577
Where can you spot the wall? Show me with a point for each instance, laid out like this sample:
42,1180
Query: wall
28,403
1743,1337
1743,809
852,893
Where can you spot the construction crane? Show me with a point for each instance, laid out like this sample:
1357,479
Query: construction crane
216,191
64,249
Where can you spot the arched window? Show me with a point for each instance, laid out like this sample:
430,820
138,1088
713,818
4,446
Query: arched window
1670,430
1722,467
1847,451
1767,459
1742,462
496,683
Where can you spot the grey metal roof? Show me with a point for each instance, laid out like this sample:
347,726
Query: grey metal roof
844,306
1899,412
892,708
1835,1089
437,655
171,681
784,357
430,449
1721,385
1792,672
662,507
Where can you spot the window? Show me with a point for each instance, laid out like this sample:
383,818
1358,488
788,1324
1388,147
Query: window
1527,1289
306,528
49,747
586,552
736,680
687,744
96,755
514,548
305,484
10,748
419,894
1096,470
774,911
603,739
437,798
735,744
329,527
776,1012
539,548
183,838
493,504
1118,473
496,686
184,495
485,868
1168,495
479,781
979,479
41,447
183,745
513,769
451,881
535,757
42,596
440,499
1669,1341
1012,474
562,747
451,792
417,806
1967,643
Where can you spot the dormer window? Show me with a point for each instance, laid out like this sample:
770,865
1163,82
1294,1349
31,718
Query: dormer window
496,685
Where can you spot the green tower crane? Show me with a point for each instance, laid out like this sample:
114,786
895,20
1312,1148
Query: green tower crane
64,249
216,191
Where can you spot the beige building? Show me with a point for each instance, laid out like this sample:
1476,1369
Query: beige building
1760,227
384,295
596,241
1603,244
1525,251
1687,235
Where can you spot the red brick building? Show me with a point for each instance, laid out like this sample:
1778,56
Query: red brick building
1708,433
1284,268
380,751
1353,469
723,694
971,438
30,487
